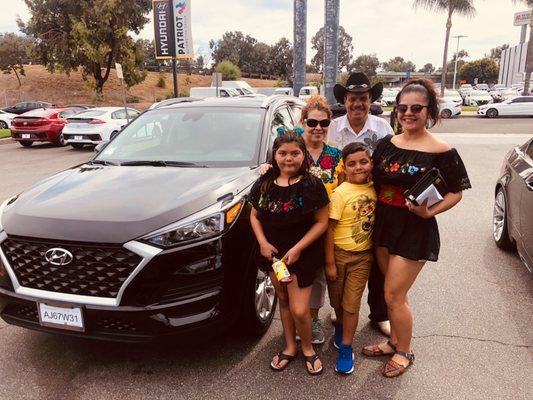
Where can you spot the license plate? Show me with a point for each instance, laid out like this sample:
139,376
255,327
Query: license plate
78,137
26,136
70,318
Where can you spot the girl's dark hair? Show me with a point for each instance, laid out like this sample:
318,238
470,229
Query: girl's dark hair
354,147
274,172
425,87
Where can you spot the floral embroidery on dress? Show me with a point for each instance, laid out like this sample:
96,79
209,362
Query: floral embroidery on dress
325,165
279,206
405,168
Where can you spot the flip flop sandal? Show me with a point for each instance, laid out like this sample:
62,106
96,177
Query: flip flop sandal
392,369
376,351
311,360
281,357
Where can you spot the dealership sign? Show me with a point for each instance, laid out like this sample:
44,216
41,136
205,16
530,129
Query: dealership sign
522,18
172,24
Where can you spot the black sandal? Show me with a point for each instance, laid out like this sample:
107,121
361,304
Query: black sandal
311,360
281,357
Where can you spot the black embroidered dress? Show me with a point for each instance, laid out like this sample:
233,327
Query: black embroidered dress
395,171
286,214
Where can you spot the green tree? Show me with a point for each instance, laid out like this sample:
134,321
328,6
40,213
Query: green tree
13,53
281,58
88,34
229,71
367,63
529,57
199,63
485,70
398,64
496,52
234,47
345,49
450,7
427,69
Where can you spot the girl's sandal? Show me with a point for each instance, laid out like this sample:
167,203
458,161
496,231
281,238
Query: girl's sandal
376,351
311,361
282,357
392,369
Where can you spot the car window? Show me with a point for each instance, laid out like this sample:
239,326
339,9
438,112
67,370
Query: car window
132,113
527,99
517,100
68,113
213,136
529,150
119,114
281,121
224,93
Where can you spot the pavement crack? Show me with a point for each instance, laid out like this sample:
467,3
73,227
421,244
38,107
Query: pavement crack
523,346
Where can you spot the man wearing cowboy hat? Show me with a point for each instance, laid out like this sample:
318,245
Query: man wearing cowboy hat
359,126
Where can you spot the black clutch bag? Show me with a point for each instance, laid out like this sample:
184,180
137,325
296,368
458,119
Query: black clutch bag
431,188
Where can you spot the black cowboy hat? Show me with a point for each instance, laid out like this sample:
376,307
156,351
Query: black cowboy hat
358,82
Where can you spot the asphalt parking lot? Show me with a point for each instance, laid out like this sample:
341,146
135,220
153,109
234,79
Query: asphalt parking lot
473,316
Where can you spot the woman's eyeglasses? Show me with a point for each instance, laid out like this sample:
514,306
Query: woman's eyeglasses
415,108
312,123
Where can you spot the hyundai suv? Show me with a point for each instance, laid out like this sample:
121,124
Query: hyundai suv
151,237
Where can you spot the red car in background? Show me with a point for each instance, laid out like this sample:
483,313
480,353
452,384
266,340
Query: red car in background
42,125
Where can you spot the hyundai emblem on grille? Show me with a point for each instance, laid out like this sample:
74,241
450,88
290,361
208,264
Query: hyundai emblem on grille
58,256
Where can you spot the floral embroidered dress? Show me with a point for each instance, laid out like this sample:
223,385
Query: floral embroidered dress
327,166
395,171
286,215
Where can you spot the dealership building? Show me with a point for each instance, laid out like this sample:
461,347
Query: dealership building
513,59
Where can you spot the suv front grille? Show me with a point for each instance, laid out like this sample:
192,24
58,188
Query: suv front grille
96,271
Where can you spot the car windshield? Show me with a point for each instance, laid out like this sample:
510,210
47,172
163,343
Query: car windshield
91,113
478,93
451,93
204,136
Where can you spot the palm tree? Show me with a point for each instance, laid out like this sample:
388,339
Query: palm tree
461,7
529,57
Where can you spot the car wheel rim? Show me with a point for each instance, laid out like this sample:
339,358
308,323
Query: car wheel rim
499,215
264,295
3,125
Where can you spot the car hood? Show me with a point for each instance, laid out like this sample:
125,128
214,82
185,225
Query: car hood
108,204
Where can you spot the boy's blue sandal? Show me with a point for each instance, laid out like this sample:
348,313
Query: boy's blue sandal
311,361
392,369
337,337
281,357
345,362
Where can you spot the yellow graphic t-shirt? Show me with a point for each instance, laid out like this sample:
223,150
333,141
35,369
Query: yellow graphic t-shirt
353,206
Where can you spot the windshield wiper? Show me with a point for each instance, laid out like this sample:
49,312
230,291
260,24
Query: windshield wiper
162,163
102,162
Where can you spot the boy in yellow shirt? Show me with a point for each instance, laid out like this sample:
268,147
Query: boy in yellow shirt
349,247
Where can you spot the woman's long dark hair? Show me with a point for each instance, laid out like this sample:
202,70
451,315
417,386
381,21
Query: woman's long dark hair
274,172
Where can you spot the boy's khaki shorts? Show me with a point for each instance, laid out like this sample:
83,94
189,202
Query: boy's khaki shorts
353,269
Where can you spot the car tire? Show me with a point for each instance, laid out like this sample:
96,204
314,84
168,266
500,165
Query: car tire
26,143
491,113
3,125
259,303
500,230
446,114
60,142
77,146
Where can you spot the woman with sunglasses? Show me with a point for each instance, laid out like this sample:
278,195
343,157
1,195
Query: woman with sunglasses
406,236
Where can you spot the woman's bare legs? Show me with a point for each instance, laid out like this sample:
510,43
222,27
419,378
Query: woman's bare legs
400,276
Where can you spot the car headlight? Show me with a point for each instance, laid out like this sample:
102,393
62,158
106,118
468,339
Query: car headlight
206,224
3,206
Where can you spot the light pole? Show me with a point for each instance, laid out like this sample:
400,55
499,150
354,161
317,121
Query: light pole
456,58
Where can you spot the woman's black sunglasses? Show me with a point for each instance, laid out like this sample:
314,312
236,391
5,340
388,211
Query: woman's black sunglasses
415,108
312,123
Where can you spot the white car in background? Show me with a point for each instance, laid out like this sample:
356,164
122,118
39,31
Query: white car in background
452,96
505,94
518,106
465,89
92,126
5,119
449,109
478,98
388,97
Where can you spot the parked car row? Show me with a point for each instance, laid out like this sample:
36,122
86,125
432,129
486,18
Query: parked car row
517,106
76,125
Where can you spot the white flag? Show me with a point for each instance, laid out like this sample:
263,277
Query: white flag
182,29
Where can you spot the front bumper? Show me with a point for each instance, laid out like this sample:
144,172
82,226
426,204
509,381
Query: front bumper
481,112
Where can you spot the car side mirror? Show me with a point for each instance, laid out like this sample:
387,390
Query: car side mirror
114,134
100,146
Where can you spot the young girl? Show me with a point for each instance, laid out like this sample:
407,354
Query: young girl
289,216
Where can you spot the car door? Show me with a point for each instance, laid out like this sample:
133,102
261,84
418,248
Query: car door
526,204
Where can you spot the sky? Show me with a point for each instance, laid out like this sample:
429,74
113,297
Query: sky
387,28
